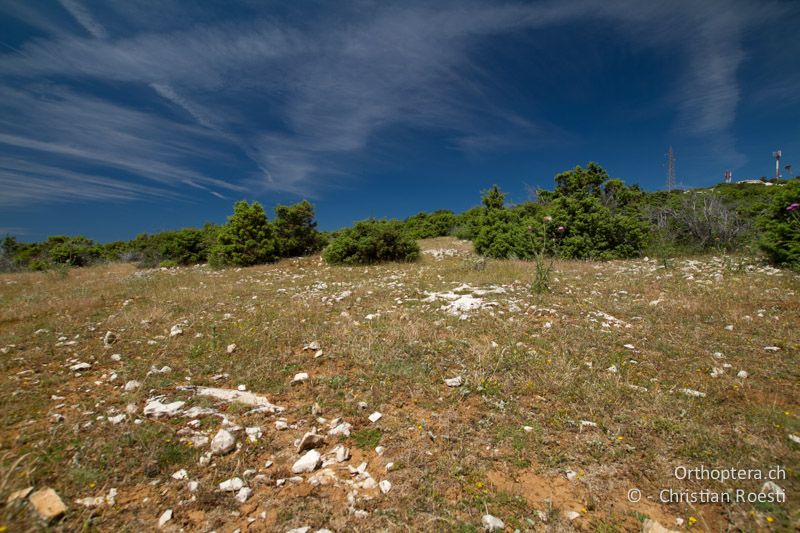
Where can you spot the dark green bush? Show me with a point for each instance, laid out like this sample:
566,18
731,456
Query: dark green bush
592,217
72,251
371,241
503,234
296,230
780,227
467,223
425,226
246,239
600,217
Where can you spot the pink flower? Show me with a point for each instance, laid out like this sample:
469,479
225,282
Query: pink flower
793,207
562,229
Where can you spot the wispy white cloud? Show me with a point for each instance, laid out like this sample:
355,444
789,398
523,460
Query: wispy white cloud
23,182
302,100
84,18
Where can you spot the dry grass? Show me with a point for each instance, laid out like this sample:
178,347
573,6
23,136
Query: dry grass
458,452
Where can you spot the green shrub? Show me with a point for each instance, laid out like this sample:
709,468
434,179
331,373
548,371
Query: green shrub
467,224
600,217
296,230
426,226
246,239
592,217
371,241
780,227
72,251
502,234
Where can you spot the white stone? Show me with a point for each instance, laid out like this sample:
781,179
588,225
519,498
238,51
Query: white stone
193,486
157,409
612,369
571,475
771,348
231,348
379,450
241,388
307,463
770,487
491,523
573,515
342,429
310,440
454,382
374,417
253,433
222,443
341,453
116,357
237,396
116,419
385,486
281,424
109,338
180,474
742,374
165,517
80,366
300,377
693,393
231,485
629,346
717,372
243,494
132,385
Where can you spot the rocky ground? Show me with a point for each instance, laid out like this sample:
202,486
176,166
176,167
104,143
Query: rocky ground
436,396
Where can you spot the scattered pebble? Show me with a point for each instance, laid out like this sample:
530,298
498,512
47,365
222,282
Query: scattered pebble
491,523
47,504
165,517
231,485
223,442
454,382
307,463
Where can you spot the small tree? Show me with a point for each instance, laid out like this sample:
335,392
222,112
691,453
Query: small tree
494,198
296,230
246,239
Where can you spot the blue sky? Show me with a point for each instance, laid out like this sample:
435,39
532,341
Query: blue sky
119,117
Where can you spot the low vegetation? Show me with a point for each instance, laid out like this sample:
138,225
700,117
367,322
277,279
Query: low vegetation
593,217
542,410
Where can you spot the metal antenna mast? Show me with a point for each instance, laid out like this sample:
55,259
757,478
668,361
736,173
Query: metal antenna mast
777,155
670,169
